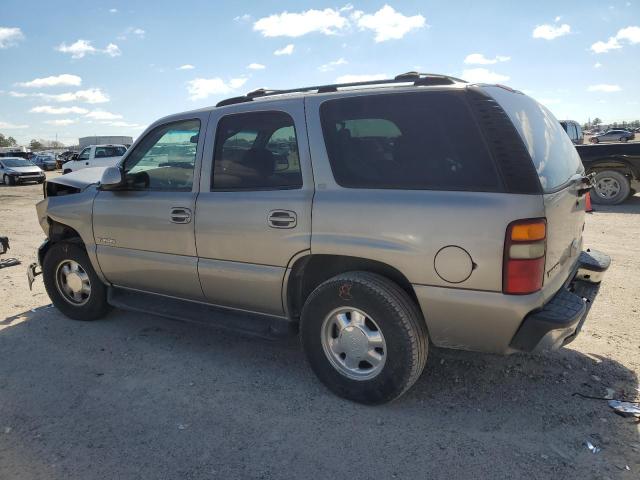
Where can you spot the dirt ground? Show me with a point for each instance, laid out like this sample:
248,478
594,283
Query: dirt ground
138,396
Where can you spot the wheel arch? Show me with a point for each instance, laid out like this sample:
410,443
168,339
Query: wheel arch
58,232
309,271
616,164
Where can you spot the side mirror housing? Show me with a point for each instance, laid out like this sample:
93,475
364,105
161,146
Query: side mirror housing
111,178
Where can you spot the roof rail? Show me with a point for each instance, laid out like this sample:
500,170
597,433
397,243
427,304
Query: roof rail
418,79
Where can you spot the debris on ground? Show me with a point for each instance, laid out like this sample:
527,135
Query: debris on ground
625,409
592,448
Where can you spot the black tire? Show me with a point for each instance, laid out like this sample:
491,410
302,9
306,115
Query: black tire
399,320
96,305
9,180
611,176
594,140
623,139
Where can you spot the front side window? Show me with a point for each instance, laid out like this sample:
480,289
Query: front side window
85,154
411,141
256,151
165,159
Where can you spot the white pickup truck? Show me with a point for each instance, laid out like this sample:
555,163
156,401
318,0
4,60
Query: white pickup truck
95,156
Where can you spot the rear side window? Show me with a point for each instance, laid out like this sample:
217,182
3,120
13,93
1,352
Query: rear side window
412,141
554,156
256,151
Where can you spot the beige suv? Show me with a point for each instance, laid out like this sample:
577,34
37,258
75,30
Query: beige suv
377,218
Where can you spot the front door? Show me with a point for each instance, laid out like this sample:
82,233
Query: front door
253,212
144,231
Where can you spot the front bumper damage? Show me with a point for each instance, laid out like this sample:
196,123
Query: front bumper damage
559,321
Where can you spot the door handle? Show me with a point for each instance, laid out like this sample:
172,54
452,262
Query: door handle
180,215
282,219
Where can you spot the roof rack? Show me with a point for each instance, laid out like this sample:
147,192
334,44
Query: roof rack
418,79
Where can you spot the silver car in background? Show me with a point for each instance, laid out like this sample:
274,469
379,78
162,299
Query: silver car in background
375,218
615,135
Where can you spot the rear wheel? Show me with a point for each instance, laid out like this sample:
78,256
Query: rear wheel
364,337
624,139
72,284
594,140
610,188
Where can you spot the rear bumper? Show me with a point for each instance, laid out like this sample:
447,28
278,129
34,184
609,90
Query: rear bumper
559,321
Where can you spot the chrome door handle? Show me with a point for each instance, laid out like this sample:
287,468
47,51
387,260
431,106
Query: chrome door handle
282,219
180,215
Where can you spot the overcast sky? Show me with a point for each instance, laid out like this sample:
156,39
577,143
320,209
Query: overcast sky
109,68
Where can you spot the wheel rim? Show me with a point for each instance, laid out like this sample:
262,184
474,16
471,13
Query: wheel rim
73,282
607,187
354,344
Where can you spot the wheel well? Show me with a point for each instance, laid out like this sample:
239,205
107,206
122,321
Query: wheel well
622,168
310,271
58,232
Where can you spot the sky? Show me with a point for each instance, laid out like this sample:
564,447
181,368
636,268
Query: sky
71,69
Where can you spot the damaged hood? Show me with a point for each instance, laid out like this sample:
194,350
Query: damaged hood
80,179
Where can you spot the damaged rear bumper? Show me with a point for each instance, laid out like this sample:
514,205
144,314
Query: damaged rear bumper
560,320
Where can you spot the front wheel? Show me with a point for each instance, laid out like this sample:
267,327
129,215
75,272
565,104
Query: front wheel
623,139
7,180
72,284
594,140
610,188
364,337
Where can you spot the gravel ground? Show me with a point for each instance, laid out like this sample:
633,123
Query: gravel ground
137,396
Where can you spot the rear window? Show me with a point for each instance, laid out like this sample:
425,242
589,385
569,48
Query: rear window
554,156
102,152
410,141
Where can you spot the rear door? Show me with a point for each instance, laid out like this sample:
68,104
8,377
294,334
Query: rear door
253,213
559,169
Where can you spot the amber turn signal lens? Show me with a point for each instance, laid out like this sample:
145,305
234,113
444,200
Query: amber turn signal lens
528,232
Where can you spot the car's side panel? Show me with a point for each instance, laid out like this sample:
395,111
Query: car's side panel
246,286
407,228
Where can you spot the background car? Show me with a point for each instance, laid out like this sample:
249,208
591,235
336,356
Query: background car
45,161
613,136
18,170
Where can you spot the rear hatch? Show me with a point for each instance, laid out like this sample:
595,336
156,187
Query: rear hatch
560,172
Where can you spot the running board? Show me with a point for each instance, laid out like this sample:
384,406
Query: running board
254,324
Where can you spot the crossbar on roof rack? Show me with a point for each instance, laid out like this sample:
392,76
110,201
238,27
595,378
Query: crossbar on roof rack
418,79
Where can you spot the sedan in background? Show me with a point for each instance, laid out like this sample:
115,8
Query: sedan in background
18,170
45,162
613,136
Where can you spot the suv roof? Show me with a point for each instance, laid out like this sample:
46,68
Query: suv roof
415,78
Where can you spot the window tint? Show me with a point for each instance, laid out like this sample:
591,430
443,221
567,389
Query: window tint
85,154
256,150
408,141
165,158
553,154
102,152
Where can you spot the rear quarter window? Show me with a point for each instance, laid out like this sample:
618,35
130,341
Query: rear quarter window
408,141
554,155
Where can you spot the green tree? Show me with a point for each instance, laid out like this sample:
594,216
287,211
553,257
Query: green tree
7,141
596,121
35,145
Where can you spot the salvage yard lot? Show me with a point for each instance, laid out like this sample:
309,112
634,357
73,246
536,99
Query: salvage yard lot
138,396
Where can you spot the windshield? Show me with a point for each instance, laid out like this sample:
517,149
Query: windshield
17,162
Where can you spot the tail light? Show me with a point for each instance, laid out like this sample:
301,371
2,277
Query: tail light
525,250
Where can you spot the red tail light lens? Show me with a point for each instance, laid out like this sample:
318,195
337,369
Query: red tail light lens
524,256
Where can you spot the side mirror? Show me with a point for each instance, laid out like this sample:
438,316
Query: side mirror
111,177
